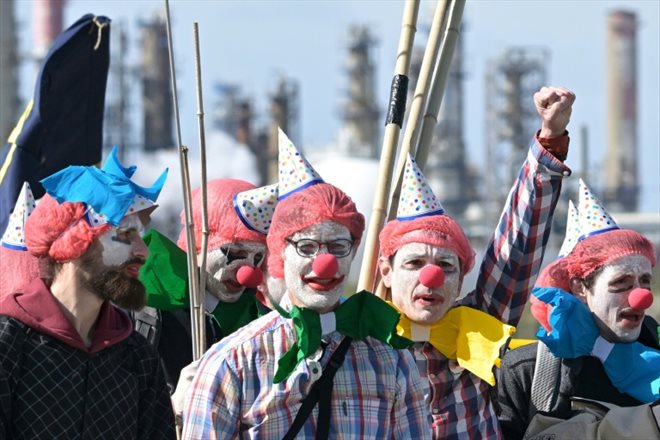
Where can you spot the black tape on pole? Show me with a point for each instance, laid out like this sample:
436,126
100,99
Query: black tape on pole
398,95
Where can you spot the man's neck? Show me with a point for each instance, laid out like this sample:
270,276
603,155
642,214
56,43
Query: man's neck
80,306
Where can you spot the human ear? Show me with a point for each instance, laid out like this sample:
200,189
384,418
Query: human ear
385,271
578,289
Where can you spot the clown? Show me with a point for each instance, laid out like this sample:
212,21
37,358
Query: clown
71,365
425,256
253,384
597,338
236,253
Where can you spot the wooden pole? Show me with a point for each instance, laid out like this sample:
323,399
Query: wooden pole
422,90
440,81
187,198
201,314
418,103
394,121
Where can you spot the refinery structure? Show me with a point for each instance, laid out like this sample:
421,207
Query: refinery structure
139,108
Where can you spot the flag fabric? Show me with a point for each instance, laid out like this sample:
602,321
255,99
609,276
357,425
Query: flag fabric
62,124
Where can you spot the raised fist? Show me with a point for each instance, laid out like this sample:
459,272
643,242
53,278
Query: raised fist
554,105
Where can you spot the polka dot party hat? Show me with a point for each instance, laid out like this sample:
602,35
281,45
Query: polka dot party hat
14,236
417,198
255,207
594,219
295,172
139,204
572,231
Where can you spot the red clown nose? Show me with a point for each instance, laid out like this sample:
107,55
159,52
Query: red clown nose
432,276
640,298
249,276
325,266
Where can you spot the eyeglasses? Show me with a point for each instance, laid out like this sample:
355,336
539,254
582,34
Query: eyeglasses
310,248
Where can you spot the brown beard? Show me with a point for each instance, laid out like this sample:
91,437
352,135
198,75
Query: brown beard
111,282
114,285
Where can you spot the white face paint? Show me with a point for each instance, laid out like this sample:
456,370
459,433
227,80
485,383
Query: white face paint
303,287
276,288
418,302
222,264
123,242
608,297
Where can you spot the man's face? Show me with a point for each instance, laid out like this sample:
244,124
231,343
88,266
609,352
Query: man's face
223,263
304,287
112,264
607,298
419,303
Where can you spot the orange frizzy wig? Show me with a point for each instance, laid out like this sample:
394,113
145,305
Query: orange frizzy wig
224,224
315,204
448,234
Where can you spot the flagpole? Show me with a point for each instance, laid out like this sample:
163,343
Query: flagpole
187,198
394,121
204,208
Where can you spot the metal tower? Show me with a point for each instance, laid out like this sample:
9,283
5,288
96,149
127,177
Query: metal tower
511,119
621,188
360,112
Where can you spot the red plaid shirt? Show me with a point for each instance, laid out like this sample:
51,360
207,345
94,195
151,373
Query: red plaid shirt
460,402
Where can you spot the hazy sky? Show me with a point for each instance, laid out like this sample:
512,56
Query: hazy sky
252,42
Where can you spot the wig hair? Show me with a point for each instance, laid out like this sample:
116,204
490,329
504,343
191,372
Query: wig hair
224,224
315,204
60,231
447,233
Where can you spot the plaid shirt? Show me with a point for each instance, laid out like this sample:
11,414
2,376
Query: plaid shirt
460,402
377,391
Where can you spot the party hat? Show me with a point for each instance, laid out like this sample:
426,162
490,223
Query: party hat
572,230
255,207
295,172
14,236
417,198
594,219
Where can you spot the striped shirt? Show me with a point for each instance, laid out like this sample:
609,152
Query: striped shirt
377,392
460,402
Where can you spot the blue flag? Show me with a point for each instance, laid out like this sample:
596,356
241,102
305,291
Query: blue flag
62,124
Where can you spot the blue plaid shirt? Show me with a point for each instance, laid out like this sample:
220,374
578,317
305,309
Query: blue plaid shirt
377,392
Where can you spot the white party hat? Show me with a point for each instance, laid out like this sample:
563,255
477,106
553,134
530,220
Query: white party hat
14,236
294,170
572,230
417,198
594,219
139,204
255,207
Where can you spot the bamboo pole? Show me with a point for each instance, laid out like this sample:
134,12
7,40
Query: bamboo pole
394,121
440,81
418,103
185,182
422,90
201,337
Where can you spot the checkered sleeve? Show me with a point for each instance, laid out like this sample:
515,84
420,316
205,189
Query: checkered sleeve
410,417
212,409
515,252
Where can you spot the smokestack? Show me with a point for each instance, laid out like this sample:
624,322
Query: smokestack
48,24
620,186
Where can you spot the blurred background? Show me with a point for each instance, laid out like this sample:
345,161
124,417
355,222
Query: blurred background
322,70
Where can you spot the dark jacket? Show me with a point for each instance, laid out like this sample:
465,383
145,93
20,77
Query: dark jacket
581,377
53,386
170,332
